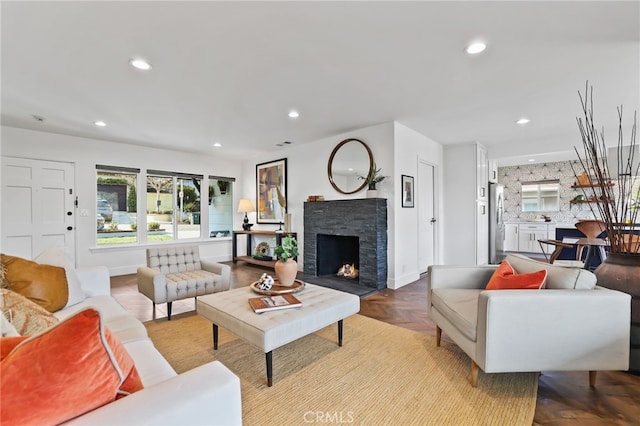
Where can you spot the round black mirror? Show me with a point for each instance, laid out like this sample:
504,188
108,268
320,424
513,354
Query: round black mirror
349,159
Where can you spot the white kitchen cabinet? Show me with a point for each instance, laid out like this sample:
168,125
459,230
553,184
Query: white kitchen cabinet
529,234
482,178
493,171
510,237
465,222
482,251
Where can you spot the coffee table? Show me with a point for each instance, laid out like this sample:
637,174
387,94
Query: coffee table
268,331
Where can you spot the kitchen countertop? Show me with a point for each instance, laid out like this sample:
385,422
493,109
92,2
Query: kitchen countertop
541,222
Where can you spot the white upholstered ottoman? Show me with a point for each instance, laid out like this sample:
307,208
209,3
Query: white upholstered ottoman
320,307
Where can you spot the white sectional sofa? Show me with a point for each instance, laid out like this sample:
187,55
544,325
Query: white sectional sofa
209,394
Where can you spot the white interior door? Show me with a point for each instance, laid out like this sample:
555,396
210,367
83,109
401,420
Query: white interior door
37,206
426,216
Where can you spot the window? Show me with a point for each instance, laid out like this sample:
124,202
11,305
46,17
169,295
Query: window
173,211
220,206
116,205
173,206
541,196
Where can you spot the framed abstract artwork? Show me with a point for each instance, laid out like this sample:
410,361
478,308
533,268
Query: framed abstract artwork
271,191
407,191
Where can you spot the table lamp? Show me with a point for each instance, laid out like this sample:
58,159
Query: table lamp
245,206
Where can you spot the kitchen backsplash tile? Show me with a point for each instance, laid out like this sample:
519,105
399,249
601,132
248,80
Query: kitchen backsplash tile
512,176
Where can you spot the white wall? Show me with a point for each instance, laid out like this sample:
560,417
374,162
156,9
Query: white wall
85,154
410,148
396,150
307,174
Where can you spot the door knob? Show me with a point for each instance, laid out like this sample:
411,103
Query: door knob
69,213
433,220
69,228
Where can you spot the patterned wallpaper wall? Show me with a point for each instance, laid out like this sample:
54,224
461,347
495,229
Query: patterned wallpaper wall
511,177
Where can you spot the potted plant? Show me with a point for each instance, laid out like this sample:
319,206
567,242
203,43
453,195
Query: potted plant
616,205
286,267
372,179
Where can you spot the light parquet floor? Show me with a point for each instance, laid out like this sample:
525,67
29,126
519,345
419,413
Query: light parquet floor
564,398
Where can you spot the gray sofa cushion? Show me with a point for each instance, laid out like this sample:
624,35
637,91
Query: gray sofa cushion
174,259
181,285
460,306
558,276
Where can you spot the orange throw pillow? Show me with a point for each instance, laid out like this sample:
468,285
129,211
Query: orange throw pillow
7,344
72,368
44,284
506,278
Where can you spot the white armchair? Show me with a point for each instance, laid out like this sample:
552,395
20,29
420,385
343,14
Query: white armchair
176,273
571,325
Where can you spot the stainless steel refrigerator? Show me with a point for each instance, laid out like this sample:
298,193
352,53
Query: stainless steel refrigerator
496,225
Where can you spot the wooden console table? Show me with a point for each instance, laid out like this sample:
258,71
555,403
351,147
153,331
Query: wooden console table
249,258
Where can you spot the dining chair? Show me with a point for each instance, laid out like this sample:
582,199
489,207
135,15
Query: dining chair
558,246
591,228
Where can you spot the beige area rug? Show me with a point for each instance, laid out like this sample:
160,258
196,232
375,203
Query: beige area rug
383,375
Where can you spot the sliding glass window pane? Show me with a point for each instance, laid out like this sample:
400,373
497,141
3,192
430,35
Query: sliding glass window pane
116,207
188,207
220,207
540,196
160,208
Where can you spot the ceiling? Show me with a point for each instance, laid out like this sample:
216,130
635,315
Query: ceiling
229,72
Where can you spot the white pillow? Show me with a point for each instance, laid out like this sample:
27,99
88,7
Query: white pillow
57,256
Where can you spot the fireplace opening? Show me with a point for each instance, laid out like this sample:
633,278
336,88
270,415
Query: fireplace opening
336,251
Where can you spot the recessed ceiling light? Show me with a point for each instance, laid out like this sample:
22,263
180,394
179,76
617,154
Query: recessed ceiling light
531,160
217,145
523,120
293,114
100,123
140,64
476,47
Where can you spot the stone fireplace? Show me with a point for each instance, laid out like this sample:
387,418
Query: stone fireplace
346,231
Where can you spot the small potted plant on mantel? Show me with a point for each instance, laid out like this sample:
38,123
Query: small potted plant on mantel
286,267
372,179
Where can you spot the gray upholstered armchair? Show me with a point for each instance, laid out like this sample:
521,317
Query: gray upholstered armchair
176,273
571,325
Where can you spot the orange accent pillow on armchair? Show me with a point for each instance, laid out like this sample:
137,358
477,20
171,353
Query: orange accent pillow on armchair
506,278
72,368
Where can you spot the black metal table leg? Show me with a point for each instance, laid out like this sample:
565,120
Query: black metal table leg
340,333
215,336
589,257
269,357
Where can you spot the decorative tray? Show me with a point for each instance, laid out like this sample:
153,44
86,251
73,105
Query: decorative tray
278,289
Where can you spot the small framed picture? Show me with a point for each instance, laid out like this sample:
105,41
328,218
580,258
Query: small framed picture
407,191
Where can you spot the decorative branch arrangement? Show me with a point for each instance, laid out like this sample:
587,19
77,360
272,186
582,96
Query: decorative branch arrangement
618,208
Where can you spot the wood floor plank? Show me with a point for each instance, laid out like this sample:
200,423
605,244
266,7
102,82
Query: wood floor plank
564,398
